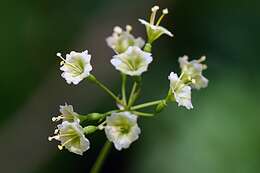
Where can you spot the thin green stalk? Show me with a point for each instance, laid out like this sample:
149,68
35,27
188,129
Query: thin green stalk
102,86
143,114
101,158
124,88
131,97
144,105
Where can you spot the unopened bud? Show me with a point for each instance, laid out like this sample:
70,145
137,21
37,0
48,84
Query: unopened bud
90,129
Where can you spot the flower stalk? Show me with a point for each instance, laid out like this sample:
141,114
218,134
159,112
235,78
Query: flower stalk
123,89
102,86
145,105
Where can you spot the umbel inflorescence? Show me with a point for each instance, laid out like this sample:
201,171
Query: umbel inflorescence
132,58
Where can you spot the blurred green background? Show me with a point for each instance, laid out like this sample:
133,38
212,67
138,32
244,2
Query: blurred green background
220,135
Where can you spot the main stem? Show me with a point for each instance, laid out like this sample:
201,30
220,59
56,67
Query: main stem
101,157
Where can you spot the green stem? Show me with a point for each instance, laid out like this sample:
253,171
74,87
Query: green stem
143,114
124,88
144,105
101,157
102,86
131,97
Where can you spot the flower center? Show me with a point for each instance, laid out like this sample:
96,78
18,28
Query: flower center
77,67
125,128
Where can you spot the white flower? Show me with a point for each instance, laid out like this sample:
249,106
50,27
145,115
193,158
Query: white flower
76,66
71,136
121,40
122,129
67,114
154,31
132,62
192,72
181,92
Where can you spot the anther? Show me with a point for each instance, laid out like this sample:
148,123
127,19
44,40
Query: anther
155,8
56,131
203,58
117,29
128,28
165,11
60,147
58,54
53,119
204,66
58,118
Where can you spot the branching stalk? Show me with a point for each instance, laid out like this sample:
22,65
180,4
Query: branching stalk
144,105
102,86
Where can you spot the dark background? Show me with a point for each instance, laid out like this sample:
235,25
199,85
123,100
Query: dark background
220,135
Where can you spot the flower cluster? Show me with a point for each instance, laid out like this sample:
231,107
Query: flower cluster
132,58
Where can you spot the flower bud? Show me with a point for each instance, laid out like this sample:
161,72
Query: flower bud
90,129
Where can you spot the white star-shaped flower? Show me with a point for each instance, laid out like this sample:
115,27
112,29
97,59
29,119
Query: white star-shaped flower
121,40
154,30
122,129
76,66
132,62
181,92
192,71
71,135
67,114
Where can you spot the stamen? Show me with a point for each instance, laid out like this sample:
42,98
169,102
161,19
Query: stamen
152,18
60,147
68,141
165,11
155,8
118,30
58,118
204,66
56,137
129,28
203,58
56,131
59,55
67,134
64,61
